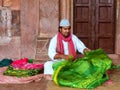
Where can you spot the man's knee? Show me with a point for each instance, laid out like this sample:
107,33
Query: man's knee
48,64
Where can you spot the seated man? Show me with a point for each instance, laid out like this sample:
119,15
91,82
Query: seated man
63,45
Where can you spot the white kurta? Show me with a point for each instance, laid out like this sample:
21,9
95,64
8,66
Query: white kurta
78,44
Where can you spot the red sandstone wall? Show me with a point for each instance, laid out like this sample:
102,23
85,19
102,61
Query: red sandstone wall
13,48
48,27
34,22
14,4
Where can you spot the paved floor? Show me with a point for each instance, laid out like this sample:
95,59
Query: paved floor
49,85
113,85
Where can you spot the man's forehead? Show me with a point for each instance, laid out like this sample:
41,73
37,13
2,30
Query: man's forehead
66,27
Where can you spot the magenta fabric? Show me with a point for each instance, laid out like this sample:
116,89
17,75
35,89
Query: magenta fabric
24,64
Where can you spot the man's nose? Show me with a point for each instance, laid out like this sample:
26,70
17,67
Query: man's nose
67,30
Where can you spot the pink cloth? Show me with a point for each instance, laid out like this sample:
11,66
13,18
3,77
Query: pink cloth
60,48
24,64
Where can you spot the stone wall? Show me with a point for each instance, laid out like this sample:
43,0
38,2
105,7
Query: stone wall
35,22
48,27
10,43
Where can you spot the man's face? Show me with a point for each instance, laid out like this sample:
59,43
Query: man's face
65,31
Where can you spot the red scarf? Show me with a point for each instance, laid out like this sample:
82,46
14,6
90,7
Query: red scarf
60,48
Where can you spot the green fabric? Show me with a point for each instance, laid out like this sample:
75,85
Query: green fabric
86,72
30,60
115,67
21,73
5,62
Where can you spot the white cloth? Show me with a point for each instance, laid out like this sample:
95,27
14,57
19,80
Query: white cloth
78,44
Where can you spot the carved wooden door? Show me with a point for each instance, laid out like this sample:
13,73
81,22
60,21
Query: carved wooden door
94,23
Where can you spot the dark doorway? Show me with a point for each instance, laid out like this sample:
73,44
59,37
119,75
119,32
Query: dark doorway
94,23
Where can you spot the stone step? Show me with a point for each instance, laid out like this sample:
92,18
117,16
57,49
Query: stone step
114,56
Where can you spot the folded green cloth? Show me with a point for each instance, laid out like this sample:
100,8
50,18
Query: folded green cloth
5,62
21,73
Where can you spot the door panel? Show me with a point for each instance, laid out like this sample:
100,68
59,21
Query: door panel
105,25
94,23
82,21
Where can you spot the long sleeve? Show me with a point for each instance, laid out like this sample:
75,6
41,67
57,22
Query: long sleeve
79,45
52,48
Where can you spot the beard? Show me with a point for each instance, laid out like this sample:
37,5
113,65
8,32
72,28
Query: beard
66,35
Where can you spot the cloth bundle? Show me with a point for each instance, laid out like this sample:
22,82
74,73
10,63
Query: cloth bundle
5,62
26,64
86,72
23,68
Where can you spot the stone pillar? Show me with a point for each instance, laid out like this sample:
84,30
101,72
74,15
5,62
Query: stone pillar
65,9
1,3
29,27
118,28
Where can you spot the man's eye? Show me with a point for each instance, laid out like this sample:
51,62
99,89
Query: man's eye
67,28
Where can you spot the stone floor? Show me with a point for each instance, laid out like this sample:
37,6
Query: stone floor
43,84
113,85
49,85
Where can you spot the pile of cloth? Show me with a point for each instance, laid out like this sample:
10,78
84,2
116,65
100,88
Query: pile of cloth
23,68
87,72
20,71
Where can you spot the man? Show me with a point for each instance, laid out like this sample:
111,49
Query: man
63,46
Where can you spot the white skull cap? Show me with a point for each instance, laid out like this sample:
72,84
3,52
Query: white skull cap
64,22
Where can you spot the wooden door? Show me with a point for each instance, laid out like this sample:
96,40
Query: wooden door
94,23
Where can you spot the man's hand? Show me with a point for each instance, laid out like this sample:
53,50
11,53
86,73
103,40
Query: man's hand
86,50
62,56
